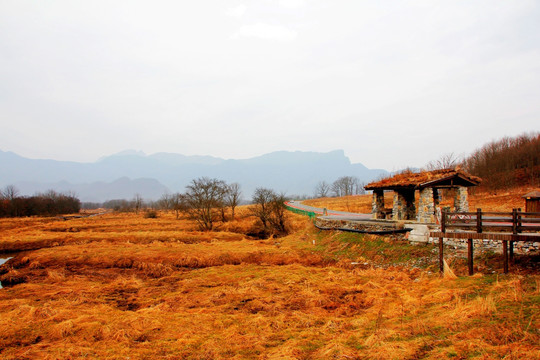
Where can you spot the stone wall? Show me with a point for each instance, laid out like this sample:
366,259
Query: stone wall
364,225
482,245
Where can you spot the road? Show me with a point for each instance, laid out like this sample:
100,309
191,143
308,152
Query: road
330,214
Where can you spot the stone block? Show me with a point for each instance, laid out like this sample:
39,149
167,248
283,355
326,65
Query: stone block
419,233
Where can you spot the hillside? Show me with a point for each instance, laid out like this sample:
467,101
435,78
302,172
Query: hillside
507,162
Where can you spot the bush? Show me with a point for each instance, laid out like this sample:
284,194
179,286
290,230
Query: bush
151,214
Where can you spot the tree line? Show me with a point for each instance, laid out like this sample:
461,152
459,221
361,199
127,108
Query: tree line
210,201
508,162
48,203
343,186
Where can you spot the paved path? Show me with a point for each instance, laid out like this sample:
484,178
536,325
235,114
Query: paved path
331,214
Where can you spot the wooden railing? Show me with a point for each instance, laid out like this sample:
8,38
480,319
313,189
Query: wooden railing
514,222
506,227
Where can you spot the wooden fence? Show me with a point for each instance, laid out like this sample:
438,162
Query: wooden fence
506,227
514,222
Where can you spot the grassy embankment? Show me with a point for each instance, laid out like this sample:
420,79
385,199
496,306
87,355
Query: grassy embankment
121,286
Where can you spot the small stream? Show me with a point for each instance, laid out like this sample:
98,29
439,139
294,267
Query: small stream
3,260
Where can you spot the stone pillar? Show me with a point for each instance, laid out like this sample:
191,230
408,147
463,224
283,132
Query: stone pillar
398,209
410,210
426,208
377,204
404,208
461,200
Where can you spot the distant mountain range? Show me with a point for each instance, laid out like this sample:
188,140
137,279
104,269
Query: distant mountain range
124,174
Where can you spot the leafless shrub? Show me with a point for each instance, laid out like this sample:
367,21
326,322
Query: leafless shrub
232,197
446,161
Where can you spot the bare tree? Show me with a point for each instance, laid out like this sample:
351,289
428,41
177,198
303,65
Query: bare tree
262,208
178,202
269,207
175,202
322,189
232,197
446,161
165,202
277,218
204,196
359,187
10,192
137,202
347,185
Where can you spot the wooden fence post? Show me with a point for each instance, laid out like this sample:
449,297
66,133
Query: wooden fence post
443,221
479,221
515,231
505,256
514,221
441,255
441,259
470,255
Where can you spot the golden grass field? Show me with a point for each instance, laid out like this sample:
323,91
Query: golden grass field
119,286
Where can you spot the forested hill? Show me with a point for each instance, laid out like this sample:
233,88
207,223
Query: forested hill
508,162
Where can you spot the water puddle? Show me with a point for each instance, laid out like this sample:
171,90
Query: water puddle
3,260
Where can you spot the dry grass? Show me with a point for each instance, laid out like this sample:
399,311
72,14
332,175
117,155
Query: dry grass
122,286
37,233
356,203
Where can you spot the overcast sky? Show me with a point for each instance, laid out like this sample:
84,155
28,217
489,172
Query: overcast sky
393,83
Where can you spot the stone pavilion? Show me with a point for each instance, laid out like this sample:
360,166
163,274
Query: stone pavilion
428,184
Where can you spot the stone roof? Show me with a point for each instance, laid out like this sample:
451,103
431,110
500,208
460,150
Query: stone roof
435,178
533,195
